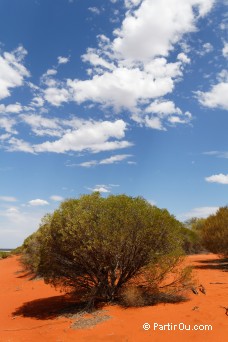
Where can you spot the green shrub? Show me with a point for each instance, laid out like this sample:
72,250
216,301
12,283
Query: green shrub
214,232
4,255
96,245
191,241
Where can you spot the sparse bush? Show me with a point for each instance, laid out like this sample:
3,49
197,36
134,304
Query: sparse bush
191,241
96,245
214,232
4,255
17,250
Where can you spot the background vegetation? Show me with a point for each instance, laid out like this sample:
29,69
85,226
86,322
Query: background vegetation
214,232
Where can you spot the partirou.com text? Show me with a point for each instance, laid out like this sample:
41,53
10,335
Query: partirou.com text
180,326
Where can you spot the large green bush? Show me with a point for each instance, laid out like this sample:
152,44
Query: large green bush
214,232
96,245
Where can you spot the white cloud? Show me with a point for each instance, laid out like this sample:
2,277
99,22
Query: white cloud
42,126
11,108
111,160
208,47
8,199
154,122
122,88
205,48
56,96
38,202
7,124
12,71
220,154
115,159
92,136
130,71
92,57
19,145
5,136
225,50
37,101
201,212
136,38
220,178
63,60
51,72
13,214
56,198
19,224
183,58
163,107
95,10
86,164
101,188
216,97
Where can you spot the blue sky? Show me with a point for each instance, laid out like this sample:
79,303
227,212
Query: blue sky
111,95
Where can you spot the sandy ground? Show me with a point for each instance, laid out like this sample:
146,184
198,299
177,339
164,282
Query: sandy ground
28,311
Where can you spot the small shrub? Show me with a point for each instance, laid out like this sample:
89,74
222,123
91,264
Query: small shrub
132,296
4,255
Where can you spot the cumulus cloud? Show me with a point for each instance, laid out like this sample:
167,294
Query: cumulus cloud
219,178
81,135
38,202
93,136
37,101
12,71
11,108
163,107
125,87
56,96
183,57
135,39
133,69
216,97
63,60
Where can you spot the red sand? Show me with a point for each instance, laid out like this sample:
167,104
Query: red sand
33,301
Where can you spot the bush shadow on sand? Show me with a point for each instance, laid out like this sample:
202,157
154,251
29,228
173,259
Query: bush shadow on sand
66,306
213,264
50,308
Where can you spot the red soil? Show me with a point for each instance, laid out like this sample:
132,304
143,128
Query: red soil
28,311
